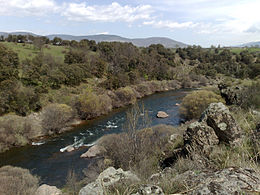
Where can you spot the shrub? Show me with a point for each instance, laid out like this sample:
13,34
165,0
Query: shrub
56,117
126,95
15,180
139,150
91,105
196,102
14,131
251,96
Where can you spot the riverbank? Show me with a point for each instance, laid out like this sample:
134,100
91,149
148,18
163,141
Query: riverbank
91,103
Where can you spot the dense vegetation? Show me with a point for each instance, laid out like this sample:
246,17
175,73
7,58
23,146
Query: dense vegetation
65,79
24,81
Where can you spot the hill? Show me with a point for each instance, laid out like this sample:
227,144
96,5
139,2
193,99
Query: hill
140,42
251,44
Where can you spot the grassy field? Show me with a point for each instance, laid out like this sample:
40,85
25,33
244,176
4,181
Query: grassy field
28,51
251,49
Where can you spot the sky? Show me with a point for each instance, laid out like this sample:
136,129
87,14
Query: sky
194,22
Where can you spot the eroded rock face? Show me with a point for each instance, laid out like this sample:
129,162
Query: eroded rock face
200,137
232,95
218,116
48,190
216,125
225,182
109,177
162,114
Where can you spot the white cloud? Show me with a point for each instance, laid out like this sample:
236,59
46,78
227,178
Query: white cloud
106,13
102,33
27,7
170,24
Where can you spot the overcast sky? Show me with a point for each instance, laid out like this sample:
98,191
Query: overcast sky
200,22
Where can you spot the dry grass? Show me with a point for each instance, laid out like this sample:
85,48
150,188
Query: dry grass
17,181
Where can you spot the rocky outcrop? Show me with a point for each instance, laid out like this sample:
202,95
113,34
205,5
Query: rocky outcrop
200,137
93,151
216,125
162,114
109,177
148,189
224,182
48,190
232,95
218,116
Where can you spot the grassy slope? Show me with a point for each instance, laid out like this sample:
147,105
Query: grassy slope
27,50
238,50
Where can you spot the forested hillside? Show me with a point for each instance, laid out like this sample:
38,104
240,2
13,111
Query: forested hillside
44,66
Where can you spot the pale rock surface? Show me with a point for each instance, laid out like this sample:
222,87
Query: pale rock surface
48,190
110,176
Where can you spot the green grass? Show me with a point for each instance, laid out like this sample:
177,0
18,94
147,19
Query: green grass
237,50
28,51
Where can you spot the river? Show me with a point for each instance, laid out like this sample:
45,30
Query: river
52,166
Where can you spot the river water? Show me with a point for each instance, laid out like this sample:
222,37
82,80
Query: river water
48,162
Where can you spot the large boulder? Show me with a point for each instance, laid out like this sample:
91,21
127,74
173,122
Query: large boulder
216,125
200,137
218,116
224,182
93,151
162,114
48,190
232,94
109,177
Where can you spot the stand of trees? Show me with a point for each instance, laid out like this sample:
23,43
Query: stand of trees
119,64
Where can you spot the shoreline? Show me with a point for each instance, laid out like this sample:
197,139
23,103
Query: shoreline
138,91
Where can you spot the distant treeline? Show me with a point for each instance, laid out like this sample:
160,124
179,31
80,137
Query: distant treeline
116,64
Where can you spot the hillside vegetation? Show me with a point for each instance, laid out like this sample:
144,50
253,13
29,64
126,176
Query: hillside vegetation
89,79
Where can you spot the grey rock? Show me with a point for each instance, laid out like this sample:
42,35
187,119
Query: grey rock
107,178
218,116
93,151
48,190
149,189
225,182
232,95
201,137
162,114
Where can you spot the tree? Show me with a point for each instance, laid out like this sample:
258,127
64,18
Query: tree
57,41
38,42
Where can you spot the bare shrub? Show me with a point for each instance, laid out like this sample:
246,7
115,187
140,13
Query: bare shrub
138,150
17,181
72,186
14,131
56,117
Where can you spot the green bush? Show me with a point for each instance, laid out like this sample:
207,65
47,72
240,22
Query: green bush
15,180
91,105
56,117
196,102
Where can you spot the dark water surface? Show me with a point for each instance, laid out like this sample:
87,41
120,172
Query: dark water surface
52,165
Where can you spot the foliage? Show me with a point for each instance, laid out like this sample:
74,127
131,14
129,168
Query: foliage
56,117
15,180
14,131
196,102
138,150
90,104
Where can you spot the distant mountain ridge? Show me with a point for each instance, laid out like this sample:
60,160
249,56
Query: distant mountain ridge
250,44
140,42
